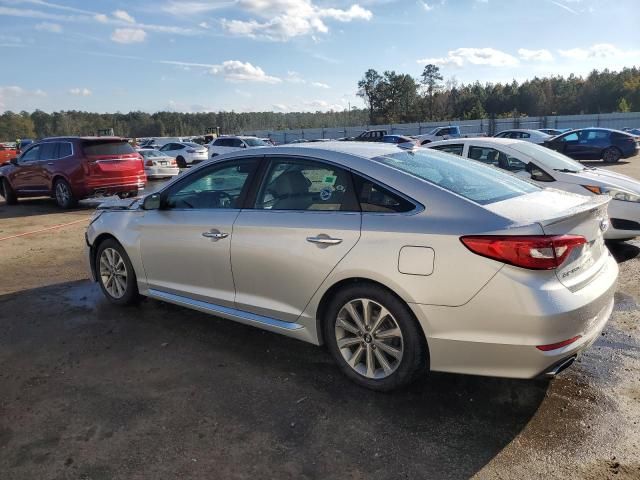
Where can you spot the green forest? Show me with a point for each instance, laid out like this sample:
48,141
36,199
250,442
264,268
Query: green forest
390,97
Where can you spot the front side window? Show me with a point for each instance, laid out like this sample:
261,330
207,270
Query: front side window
255,142
455,149
306,185
485,155
219,186
471,180
31,155
572,137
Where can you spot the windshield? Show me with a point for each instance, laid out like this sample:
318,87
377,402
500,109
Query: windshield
254,142
472,180
548,158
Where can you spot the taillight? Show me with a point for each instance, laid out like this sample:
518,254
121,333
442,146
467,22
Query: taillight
173,162
149,163
555,346
191,150
536,252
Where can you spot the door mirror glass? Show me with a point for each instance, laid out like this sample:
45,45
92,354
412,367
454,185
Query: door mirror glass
151,202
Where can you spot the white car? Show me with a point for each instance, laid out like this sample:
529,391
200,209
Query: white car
185,153
533,136
230,144
553,169
157,164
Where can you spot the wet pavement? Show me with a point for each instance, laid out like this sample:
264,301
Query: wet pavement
93,391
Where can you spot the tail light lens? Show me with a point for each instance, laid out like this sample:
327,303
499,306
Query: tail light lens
149,163
173,162
555,346
535,252
191,150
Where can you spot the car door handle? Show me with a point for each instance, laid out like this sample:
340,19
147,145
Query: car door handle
324,240
215,234
49,163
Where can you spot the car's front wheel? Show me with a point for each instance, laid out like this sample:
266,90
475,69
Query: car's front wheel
611,155
374,338
115,273
8,193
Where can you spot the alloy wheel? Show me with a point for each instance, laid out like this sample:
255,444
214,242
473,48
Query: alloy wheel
63,195
369,338
113,273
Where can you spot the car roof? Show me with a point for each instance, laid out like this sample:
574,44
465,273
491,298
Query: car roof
479,140
521,130
69,138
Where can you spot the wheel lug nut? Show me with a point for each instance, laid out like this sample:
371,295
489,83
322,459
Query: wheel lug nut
373,347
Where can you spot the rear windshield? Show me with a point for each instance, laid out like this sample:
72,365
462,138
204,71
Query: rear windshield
470,179
151,153
107,148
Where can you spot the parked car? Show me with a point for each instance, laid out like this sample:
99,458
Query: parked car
371,136
231,144
73,168
158,164
553,131
553,169
632,131
481,272
595,144
440,133
399,139
7,152
185,153
533,136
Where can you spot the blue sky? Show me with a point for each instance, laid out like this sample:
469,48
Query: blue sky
289,55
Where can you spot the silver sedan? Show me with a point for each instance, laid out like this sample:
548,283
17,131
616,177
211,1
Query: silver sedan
400,261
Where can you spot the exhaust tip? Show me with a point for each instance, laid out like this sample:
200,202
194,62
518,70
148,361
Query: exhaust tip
559,367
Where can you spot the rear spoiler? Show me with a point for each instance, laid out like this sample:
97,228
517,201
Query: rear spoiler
592,204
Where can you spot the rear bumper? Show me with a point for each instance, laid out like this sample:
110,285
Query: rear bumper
113,186
159,172
496,333
624,220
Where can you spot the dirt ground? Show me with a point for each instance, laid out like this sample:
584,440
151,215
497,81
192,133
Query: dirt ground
91,391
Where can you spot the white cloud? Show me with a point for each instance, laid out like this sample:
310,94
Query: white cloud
80,92
474,56
124,16
280,107
230,70
128,35
294,77
564,7
193,8
49,27
204,25
600,51
426,6
535,55
285,19
319,85
101,17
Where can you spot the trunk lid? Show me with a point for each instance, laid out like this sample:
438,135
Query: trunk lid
563,213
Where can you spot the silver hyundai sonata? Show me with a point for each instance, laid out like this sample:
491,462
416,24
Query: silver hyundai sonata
400,261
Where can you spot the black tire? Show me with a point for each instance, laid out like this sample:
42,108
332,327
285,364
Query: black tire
611,155
8,193
130,295
63,194
214,155
181,162
415,354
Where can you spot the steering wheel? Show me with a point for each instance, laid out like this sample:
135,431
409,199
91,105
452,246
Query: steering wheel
224,196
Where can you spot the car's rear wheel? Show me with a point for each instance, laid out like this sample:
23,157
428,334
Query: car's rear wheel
181,162
63,194
374,338
8,193
611,155
115,273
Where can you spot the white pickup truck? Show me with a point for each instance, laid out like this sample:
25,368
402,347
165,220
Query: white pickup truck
441,133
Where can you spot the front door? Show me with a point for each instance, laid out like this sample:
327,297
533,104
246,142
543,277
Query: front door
27,178
186,244
305,220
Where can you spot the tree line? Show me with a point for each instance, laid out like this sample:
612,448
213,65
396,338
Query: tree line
390,97
393,97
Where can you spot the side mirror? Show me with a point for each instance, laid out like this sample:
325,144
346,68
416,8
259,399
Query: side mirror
244,145
151,202
14,161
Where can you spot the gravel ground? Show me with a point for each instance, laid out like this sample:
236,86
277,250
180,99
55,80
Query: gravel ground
91,391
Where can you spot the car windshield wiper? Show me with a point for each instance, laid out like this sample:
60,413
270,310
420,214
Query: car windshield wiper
565,170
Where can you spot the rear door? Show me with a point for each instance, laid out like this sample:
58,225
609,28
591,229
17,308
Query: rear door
304,220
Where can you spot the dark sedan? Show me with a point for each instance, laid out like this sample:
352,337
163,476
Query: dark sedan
595,143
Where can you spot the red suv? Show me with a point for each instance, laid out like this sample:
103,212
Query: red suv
73,168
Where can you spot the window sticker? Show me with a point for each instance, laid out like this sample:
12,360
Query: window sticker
325,193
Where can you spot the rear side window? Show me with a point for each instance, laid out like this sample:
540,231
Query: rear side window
455,149
375,198
306,185
471,180
107,148
48,151
64,150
